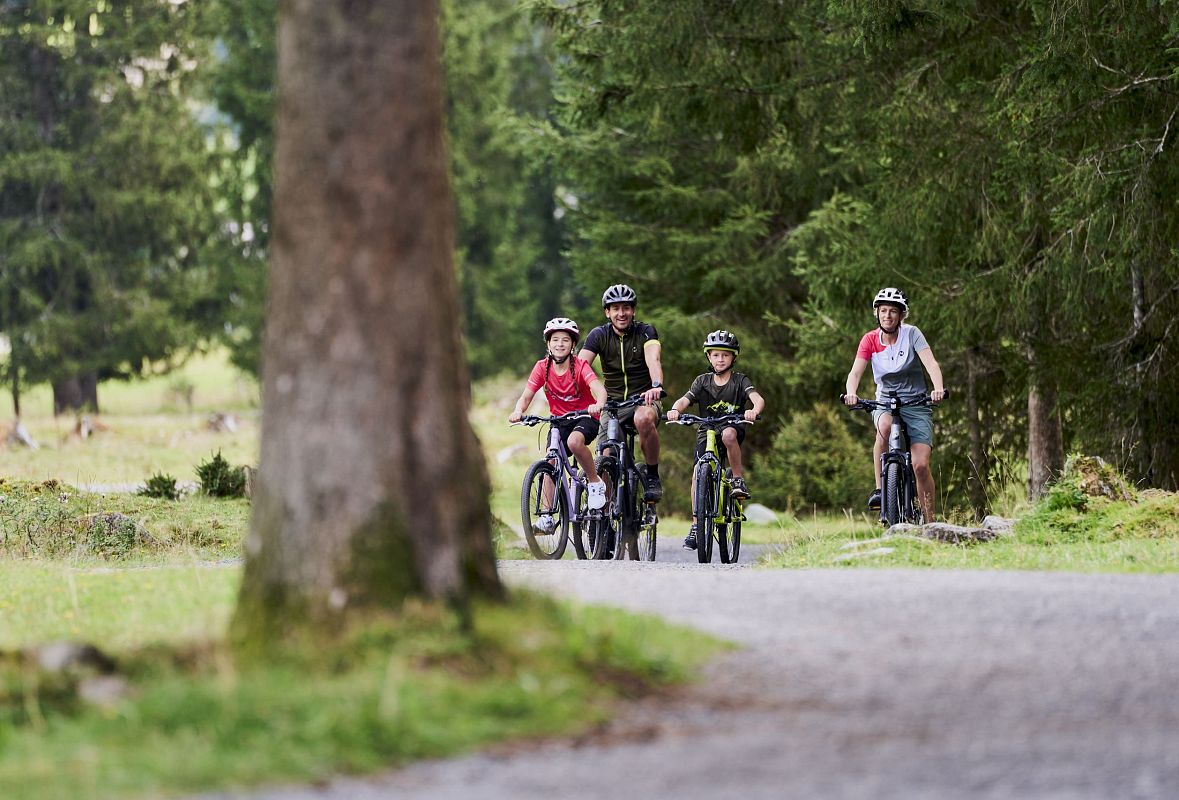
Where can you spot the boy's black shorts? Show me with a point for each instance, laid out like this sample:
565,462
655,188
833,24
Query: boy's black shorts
702,438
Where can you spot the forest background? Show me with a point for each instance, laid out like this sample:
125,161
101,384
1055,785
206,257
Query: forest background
758,166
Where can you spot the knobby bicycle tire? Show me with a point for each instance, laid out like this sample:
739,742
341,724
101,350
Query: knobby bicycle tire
729,534
628,523
893,500
704,512
532,504
584,527
608,524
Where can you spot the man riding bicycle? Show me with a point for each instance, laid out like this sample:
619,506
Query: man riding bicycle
631,365
897,352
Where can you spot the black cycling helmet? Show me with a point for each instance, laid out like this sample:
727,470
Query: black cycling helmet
722,340
893,297
619,293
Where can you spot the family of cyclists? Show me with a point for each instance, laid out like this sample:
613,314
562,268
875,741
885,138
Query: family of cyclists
631,366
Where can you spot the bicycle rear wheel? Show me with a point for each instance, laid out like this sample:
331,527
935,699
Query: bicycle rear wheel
607,526
648,524
892,502
544,512
728,535
704,510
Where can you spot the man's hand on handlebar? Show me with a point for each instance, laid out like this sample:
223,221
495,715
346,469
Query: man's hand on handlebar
652,396
937,395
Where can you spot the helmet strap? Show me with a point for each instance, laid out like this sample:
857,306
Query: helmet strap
560,360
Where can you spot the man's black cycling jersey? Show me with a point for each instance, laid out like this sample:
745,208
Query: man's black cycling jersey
624,365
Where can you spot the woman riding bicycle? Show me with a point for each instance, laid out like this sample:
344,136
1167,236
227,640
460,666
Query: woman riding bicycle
569,385
897,352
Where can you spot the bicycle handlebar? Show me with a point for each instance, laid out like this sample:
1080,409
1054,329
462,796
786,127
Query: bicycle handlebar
886,405
530,420
633,400
709,422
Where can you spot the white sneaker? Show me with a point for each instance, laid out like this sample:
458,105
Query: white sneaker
545,523
597,494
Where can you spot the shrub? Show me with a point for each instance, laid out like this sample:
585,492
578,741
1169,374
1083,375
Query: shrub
162,486
815,460
220,479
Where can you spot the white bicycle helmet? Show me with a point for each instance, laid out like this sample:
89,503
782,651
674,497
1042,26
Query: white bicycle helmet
722,340
892,296
619,293
562,324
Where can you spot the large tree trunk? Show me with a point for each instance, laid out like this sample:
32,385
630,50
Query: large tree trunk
79,393
1045,439
372,486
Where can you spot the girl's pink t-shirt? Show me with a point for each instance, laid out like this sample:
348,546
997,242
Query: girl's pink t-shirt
565,393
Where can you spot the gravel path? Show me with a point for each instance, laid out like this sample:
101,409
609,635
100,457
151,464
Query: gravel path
861,684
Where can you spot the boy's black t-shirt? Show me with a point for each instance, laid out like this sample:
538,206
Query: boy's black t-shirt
716,401
624,363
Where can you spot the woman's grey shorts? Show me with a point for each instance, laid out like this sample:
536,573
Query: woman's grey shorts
918,421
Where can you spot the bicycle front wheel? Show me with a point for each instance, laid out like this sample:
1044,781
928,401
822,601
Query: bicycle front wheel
607,525
704,508
584,527
893,501
544,511
728,535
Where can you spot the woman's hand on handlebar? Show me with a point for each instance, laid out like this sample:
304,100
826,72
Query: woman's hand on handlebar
850,399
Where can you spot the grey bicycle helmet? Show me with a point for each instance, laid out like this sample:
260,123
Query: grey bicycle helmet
892,296
562,324
619,293
722,340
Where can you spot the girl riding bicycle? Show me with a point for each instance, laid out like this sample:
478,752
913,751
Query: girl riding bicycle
719,392
897,353
569,385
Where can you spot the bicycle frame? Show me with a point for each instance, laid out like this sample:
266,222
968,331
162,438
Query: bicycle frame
566,481
724,510
622,504
898,453
568,478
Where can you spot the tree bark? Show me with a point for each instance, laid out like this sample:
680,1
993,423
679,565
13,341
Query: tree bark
1045,439
79,393
371,486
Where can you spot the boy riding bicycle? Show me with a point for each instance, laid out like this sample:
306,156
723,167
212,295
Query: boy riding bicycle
719,392
569,385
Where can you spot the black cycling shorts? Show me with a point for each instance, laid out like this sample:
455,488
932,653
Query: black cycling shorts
587,425
702,439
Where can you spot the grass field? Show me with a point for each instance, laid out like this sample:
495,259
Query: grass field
156,588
